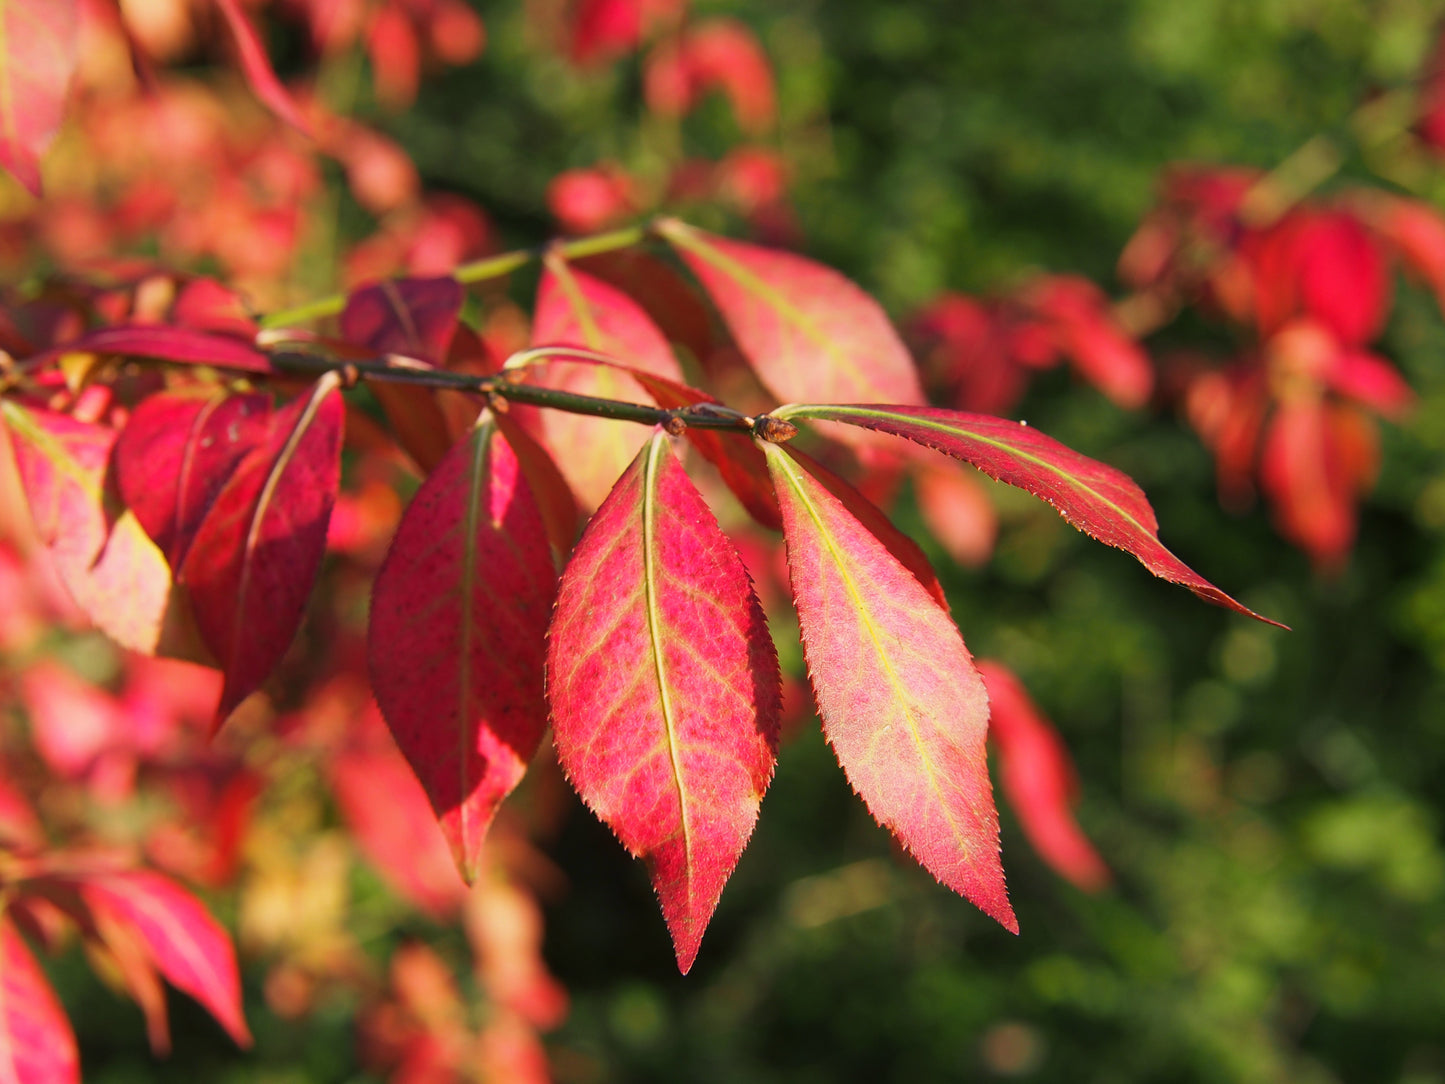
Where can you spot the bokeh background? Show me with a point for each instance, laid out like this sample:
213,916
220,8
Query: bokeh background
1269,803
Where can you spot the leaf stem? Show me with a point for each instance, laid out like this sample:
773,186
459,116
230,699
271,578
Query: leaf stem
489,267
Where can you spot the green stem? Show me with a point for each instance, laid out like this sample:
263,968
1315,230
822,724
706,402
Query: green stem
490,267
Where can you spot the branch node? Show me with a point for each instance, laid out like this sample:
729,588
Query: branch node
773,430
676,424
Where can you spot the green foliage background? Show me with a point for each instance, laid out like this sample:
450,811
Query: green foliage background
1270,802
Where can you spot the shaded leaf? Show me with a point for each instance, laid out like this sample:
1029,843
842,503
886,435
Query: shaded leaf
255,557
664,687
175,455
555,500
187,945
806,330
112,569
901,702
1104,503
415,317
458,622
165,343
1038,779
124,951
37,1045
38,40
256,67
575,309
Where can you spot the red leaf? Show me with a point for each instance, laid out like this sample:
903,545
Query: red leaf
664,687
256,554
113,937
257,67
458,620
188,946
175,455
1038,779
417,318
806,330
575,309
1097,499
37,1045
555,500
112,569
1078,314
901,702
166,343
37,57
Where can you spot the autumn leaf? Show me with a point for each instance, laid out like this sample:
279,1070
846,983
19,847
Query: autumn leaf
186,944
165,343
1102,502
37,1045
38,40
1038,779
256,67
806,330
255,557
111,568
458,619
901,702
417,318
576,309
664,687
176,454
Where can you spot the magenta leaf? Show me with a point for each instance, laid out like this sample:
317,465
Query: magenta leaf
664,687
186,944
806,330
111,568
1104,503
38,40
175,455
37,1045
575,309
458,624
255,557
165,343
901,702
256,66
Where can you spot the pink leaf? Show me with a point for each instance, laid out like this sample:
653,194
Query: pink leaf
1097,499
255,557
165,343
806,330
37,1045
901,702
257,67
458,620
664,687
175,455
575,309
112,569
37,57
1038,779
188,946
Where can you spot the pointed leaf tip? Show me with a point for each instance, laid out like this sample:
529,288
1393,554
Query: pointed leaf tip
1104,503
664,687
901,703
458,620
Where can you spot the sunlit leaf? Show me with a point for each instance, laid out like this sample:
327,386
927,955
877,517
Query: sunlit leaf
176,454
1102,502
188,946
901,702
112,569
575,309
458,619
255,557
664,687
37,1045
38,41
807,331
